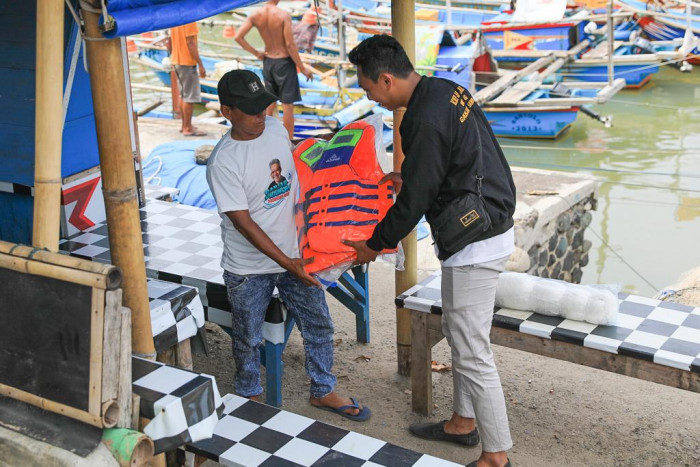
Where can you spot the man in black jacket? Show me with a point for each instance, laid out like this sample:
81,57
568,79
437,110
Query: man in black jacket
450,151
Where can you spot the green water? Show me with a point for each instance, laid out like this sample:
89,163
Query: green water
646,229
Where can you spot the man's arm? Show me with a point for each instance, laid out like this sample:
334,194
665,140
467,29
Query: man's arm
193,47
240,38
292,47
259,239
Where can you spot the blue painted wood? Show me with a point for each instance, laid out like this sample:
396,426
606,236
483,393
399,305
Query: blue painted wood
17,212
17,73
273,370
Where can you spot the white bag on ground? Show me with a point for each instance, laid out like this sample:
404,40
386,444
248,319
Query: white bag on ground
590,303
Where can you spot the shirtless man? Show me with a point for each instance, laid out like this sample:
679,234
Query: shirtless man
280,58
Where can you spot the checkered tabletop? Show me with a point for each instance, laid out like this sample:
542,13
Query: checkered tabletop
665,333
176,313
254,434
163,193
183,406
181,244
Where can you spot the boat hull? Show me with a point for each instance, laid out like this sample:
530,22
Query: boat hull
525,123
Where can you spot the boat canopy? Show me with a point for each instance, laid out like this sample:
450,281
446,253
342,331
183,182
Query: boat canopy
126,17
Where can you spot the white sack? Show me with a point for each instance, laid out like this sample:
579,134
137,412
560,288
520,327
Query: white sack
593,304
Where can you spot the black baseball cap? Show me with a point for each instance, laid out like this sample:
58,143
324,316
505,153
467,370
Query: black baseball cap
244,90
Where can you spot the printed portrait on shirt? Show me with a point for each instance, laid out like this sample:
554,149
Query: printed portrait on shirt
278,190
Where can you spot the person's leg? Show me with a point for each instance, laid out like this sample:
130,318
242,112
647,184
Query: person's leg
191,94
307,304
271,109
288,118
249,297
468,296
186,115
285,74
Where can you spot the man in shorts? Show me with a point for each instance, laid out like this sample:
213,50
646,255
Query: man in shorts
184,56
280,57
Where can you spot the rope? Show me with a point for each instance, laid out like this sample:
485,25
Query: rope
597,150
146,163
597,169
656,289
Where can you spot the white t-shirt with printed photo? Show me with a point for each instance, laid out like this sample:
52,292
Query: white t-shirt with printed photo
244,175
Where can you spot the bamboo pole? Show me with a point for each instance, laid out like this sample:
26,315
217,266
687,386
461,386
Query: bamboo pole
118,177
129,447
403,19
37,268
51,406
48,126
113,275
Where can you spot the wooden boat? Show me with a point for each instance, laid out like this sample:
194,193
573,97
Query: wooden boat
667,21
515,45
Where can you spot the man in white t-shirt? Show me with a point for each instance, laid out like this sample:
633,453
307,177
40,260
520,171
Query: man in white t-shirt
260,247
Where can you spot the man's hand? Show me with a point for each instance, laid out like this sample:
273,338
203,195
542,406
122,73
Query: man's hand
306,72
364,253
395,178
202,71
259,55
296,267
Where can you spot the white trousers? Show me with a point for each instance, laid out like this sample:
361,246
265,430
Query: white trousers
468,296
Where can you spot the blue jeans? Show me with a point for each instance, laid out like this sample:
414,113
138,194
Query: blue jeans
249,297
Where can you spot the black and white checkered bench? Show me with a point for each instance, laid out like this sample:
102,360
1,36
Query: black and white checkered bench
182,406
253,434
182,244
653,340
177,313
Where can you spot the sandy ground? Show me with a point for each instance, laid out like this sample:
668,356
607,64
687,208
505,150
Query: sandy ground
560,413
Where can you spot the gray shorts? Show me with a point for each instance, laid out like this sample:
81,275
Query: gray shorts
281,79
188,79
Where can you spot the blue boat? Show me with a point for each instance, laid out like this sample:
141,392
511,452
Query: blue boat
515,46
525,109
665,23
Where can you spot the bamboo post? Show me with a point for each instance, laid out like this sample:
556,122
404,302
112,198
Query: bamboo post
48,125
403,19
118,179
129,447
611,44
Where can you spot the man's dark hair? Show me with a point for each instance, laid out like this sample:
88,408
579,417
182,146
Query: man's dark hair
381,54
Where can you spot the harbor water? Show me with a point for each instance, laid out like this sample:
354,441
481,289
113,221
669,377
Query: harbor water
646,229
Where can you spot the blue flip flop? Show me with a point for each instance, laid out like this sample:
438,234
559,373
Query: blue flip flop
362,416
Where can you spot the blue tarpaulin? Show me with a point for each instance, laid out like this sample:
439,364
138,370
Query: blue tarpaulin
137,16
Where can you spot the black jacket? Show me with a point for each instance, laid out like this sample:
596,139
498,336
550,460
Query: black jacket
443,136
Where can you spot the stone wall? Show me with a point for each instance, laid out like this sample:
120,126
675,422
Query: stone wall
551,218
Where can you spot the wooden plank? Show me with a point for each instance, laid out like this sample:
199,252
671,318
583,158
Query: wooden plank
515,94
492,90
601,50
184,355
135,411
421,378
96,342
111,346
594,358
125,397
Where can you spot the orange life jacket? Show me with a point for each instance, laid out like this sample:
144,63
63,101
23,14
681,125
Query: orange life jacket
340,195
